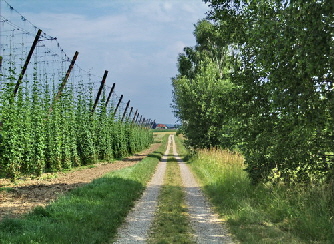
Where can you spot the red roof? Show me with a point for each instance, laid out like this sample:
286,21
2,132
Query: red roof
161,125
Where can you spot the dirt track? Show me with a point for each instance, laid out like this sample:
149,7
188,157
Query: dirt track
207,226
27,194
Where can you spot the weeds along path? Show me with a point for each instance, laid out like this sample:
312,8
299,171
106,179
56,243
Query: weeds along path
206,224
139,220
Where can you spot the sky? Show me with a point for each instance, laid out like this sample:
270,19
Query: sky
137,41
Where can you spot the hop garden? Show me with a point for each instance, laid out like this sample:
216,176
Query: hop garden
55,115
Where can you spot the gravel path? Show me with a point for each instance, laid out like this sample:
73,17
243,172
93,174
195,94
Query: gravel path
207,226
139,220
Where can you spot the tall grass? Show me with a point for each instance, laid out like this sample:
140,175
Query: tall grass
265,213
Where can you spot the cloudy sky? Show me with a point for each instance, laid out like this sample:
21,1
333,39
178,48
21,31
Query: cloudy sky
137,41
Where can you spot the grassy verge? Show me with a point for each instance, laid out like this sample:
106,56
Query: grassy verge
171,224
181,150
263,213
90,214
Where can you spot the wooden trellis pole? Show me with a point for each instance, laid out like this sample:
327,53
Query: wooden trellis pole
67,75
133,120
152,123
130,112
126,108
24,68
100,90
0,63
110,93
141,116
119,102
137,118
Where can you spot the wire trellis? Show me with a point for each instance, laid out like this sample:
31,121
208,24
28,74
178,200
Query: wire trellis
49,62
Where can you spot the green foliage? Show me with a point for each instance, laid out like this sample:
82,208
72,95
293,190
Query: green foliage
40,133
196,103
89,214
260,80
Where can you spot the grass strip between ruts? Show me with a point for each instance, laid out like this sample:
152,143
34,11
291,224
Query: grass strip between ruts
171,224
89,214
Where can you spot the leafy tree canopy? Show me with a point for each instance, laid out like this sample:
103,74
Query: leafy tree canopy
260,78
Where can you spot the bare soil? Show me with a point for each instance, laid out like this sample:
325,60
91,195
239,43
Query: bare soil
24,195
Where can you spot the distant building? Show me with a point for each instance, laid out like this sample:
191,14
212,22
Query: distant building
161,126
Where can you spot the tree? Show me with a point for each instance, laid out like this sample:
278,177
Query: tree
200,86
275,59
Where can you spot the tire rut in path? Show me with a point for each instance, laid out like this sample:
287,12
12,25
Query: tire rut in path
206,224
139,220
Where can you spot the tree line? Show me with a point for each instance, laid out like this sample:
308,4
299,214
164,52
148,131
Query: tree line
260,80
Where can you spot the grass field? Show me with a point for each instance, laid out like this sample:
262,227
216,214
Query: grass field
89,214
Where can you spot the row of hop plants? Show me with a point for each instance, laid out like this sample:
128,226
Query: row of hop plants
40,134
